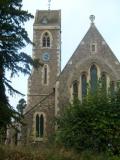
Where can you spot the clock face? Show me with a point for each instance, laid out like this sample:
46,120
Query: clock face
45,56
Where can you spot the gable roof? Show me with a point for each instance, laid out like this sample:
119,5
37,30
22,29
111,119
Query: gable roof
102,53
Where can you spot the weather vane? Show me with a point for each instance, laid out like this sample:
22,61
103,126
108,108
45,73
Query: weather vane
92,18
49,4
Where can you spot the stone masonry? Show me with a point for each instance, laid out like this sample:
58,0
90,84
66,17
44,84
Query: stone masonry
50,90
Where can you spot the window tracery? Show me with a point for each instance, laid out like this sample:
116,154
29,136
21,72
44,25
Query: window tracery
39,126
46,40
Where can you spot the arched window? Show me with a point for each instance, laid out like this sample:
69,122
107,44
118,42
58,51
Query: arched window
93,77
46,40
104,81
75,89
39,125
45,74
84,85
112,87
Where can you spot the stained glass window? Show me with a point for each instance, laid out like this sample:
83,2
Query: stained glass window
93,76
84,85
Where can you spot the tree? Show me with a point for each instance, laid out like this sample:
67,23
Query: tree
13,37
93,124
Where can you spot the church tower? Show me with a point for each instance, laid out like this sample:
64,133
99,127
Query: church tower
47,48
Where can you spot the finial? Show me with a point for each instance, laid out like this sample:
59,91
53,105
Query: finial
49,4
92,18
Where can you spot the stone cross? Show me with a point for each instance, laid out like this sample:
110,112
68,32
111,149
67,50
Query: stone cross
92,18
49,4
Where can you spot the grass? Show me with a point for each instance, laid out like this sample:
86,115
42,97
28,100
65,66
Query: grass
51,153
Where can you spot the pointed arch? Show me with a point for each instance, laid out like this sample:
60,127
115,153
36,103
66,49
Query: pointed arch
46,39
93,77
104,81
39,125
45,74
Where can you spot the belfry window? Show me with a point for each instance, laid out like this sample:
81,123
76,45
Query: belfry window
84,85
46,40
93,78
39,125
75,89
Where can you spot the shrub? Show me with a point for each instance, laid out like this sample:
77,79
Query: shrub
93,124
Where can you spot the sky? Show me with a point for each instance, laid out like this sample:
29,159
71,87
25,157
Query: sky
75,23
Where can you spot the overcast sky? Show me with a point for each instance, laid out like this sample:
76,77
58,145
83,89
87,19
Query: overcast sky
75,23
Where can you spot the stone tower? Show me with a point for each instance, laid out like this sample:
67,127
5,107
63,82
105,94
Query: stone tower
47,48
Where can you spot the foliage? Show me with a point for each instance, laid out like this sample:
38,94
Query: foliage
93,124
13,37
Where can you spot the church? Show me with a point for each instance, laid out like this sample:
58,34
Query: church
49,88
